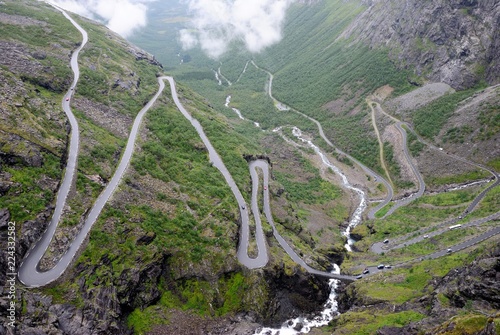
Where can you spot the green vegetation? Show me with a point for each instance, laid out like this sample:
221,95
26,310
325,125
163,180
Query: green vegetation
447,199
495,164
226,295
489,205
412,217
34,197
489,119
314,190
430,119
64,294
230,146
367,322
343,128
35,41
457,179
410,282
329,65
468,324
394,168
457,134
35,34
97,157
141,321
176,154
414,145
111,74
384,210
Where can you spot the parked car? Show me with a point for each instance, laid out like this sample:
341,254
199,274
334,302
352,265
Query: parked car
366,271
380,266
386,241
359,277
426,236
67,99
449,250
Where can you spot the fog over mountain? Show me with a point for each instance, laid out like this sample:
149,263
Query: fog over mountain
121,16
213,26
217,23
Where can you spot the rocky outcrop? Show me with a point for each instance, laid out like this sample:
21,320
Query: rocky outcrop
32,230
101,303
479,282
291,295
46,317
16,150
456,42
475,287
192,324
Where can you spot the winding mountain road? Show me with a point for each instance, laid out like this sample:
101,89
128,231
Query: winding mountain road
264,167
408,239
380,144
404,141
262,258
28,273
473,204
381,247
283,107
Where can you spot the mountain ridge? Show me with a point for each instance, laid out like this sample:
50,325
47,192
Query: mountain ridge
455,42
164,249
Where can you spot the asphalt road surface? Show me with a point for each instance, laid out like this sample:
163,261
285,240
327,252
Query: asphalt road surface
242,254
28,273
264,167
280,105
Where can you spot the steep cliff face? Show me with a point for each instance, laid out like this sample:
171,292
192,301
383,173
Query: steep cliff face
464,301
456,42
478,283
159,271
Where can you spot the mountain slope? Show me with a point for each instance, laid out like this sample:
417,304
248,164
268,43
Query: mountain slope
455,42
168,238
161,258
334,59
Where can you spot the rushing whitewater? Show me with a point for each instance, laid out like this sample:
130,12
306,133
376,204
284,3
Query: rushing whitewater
302,325
237,111
356,216
219,82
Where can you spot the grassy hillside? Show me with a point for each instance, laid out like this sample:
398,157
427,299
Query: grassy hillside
311,68
167,239
329,78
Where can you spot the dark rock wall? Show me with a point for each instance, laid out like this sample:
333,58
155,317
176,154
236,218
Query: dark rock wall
456,42
476,285
478,282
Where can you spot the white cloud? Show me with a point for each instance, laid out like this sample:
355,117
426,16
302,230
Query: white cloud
121,16
216,23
